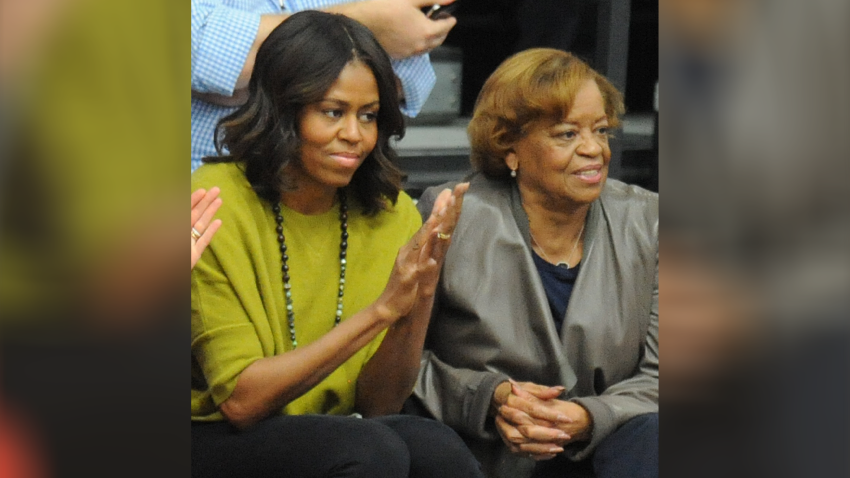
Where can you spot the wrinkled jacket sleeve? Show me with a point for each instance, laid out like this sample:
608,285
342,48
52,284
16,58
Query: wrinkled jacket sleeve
221,39
629,398
457,397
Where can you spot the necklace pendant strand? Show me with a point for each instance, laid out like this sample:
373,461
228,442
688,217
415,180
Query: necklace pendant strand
284,259
572,251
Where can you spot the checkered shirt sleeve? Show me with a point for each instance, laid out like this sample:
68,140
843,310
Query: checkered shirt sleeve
222,34
416,73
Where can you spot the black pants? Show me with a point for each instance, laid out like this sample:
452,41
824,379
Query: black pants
630,452
331,446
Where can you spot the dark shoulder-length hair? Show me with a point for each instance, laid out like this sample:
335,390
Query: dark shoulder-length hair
532,85
295,66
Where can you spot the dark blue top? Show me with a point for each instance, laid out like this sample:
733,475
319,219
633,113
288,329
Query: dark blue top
558,282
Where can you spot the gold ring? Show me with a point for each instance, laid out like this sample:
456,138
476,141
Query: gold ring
444,236
195,234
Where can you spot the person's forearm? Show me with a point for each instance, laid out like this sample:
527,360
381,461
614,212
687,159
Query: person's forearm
363,11
238,99
270,383
267,24
388,378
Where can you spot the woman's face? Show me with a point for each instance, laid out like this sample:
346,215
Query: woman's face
339,132
566,161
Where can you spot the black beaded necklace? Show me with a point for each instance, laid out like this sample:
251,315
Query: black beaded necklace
284,258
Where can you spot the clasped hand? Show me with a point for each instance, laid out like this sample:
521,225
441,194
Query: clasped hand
417,266
533,422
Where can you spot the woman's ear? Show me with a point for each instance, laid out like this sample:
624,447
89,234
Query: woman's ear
511,160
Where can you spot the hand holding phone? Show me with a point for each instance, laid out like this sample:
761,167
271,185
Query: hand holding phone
438,12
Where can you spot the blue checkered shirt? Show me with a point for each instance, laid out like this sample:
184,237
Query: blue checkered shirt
222,34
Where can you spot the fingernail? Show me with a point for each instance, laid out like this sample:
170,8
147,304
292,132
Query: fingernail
563,436
556,450
564,418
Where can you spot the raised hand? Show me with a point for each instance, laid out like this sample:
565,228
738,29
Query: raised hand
440,227
204,206
417,266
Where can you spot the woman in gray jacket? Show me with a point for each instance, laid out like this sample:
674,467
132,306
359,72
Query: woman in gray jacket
543,346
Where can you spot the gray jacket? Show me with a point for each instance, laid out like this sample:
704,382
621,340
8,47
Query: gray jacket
492,319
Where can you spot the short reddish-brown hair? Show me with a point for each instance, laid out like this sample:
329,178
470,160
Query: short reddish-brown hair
530,86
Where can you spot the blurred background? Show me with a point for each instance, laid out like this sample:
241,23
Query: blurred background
749,155
756,237
94,360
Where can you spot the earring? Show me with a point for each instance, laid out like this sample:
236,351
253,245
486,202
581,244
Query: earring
513,173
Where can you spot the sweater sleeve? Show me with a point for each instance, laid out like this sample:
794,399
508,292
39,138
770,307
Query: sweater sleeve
224,341
231,327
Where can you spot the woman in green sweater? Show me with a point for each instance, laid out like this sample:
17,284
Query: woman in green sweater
310,307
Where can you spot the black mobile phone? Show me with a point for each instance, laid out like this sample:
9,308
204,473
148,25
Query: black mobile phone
438,12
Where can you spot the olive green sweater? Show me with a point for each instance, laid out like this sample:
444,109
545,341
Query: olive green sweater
238,306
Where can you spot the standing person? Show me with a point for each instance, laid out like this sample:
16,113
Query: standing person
313,304
543,346
227,33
